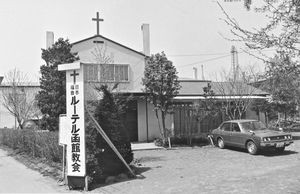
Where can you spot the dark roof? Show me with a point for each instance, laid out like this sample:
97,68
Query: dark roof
192,87
107,39
195,88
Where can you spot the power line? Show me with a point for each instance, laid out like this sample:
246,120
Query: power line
195,55
209,54
207,60
216,58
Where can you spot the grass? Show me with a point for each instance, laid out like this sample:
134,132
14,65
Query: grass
35,144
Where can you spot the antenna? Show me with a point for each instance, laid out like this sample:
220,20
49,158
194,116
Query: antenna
202,72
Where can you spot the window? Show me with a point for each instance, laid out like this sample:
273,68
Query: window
121,72
235,127
253,126
225,127
107,72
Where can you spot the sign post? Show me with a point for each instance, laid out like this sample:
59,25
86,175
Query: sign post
62,140
75,125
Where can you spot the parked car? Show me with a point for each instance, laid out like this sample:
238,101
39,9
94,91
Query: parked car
250,134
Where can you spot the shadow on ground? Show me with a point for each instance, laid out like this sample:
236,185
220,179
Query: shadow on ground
274,153
267,153
138,170
297,137
149,159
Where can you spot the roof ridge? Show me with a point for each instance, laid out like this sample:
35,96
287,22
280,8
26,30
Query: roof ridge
100,36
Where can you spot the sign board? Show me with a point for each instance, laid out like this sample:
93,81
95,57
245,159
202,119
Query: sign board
76,164
63,130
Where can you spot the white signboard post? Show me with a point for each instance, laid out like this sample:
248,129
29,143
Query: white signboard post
75,119
63,130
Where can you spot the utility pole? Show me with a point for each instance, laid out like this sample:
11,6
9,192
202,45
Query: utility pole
234,64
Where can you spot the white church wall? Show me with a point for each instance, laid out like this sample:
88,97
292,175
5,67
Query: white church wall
120,55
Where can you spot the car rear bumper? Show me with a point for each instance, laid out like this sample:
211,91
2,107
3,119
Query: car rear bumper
276,144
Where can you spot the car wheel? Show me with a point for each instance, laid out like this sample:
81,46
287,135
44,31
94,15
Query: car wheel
251,147
280,149
221,143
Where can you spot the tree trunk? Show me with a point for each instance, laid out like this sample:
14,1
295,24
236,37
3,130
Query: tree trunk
160,128
163,116
20,123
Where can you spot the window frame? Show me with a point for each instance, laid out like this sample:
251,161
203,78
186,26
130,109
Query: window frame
91,68
232,125
223,129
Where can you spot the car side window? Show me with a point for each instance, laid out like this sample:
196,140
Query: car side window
235,127
225,127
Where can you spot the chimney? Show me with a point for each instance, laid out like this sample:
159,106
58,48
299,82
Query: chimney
195,73
146,39
202,72
49,39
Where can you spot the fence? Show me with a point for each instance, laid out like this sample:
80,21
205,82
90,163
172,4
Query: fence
193,123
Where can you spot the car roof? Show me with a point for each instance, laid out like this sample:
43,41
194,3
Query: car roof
240,121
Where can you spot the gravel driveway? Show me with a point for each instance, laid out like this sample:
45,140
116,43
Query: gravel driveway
212,170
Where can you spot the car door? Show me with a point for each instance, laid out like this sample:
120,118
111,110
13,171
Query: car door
225,132
237,137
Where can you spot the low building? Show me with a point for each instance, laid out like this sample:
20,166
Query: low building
25,93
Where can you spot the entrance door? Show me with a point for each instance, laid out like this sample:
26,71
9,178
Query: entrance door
130,120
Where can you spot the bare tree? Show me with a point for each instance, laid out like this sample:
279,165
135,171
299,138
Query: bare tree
236,95
104,67
104,71
18,99
280,33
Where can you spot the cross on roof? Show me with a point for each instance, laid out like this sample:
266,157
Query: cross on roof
97,19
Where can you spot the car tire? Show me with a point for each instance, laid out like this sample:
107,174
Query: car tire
252,148
280,149
221,144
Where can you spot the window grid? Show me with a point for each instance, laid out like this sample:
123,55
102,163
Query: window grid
107,72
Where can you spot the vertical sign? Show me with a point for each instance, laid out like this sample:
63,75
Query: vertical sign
75,116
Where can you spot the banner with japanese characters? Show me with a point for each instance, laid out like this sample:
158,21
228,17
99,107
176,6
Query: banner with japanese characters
75,117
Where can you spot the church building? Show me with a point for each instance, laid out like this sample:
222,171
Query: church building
108,62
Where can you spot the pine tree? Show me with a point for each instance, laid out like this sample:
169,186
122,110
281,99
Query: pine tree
52,97
102,161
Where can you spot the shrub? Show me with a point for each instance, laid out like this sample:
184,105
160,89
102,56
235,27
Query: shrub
101,160
34,143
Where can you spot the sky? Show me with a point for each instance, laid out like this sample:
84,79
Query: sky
188,31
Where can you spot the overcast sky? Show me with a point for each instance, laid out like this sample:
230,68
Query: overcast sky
180,28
